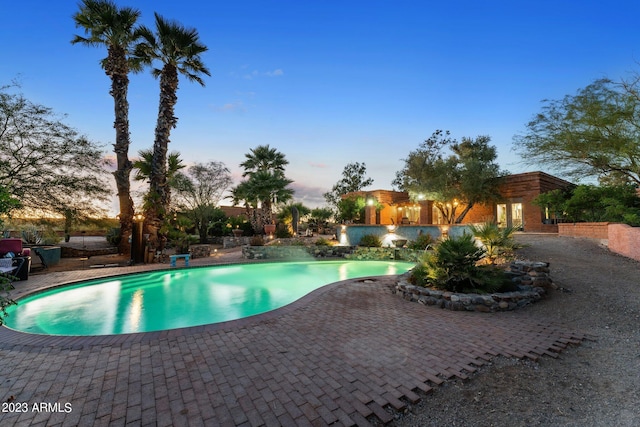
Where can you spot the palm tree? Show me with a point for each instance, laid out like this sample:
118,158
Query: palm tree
263,158
178,50
105,24
265,186
259,193
144,164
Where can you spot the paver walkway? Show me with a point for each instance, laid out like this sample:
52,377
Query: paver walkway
339,356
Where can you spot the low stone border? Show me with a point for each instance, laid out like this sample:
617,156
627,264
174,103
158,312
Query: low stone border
532,280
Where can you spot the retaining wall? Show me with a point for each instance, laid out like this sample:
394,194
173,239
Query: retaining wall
591,230
624,240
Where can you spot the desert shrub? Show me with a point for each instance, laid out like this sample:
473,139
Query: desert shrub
282,231
370,241
423,242
322,242
453,266
31,235
50,236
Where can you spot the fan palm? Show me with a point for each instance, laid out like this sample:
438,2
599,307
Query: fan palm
263,158
265,188
106,24
178,51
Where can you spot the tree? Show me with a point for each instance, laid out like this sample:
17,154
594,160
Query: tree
45,164
593,133
614,203
199,191
351,209
290,215
468,175
353,179
178,49
263,158
265,185
108,25
319,219
259,193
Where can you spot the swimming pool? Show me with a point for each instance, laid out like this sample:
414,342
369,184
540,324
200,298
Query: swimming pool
161,300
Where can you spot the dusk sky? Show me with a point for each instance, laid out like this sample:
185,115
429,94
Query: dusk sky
333,82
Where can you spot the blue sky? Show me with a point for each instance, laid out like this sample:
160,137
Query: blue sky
334,81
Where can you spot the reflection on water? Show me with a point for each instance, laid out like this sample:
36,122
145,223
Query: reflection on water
180,298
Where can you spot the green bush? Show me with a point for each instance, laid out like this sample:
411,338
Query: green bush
423,242
370,241
322,242
453,266
113,236
282,231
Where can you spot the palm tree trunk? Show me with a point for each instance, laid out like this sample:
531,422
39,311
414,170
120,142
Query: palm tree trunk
118,71
156,211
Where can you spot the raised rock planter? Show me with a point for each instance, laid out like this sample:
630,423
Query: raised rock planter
532,280
375,254
200,251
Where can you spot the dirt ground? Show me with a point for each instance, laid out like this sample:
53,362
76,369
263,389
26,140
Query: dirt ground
594,384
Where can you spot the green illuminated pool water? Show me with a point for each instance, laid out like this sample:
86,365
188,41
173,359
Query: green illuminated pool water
173,299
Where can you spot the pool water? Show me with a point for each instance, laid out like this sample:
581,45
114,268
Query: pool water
173,299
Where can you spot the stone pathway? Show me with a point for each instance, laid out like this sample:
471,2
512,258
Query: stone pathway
347,354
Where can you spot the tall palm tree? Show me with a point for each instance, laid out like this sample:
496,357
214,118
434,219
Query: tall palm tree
178,51
263,158
105,24
265,186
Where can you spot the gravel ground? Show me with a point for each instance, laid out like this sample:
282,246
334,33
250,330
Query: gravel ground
594,384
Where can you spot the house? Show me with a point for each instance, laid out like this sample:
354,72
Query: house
386,207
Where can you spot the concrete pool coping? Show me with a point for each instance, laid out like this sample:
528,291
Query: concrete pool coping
343,354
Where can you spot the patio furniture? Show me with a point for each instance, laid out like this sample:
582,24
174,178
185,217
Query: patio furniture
20,257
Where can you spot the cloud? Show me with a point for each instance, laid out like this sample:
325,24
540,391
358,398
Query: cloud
275,73
311,197
318,165
230,106
278,72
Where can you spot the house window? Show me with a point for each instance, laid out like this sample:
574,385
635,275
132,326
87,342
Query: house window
510,215
501,214
516,215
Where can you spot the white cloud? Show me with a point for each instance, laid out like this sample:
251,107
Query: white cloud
230,106
278,72
275,73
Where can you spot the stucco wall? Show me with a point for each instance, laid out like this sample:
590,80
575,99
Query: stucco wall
624,240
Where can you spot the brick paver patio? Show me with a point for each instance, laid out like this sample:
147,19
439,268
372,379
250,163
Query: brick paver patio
342,355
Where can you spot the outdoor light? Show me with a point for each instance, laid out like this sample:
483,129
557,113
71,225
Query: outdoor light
370,202
391,228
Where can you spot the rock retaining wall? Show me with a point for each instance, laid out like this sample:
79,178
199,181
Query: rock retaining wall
397,254
200,251
295,252
532,280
